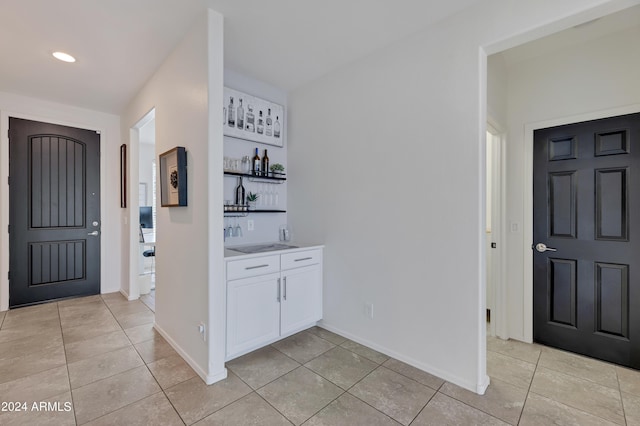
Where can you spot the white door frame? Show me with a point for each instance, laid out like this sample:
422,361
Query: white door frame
527,191
133,205
4,194
498,325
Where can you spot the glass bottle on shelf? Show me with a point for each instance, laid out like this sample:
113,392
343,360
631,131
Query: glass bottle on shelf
276,128
269,122
260,126
265,164
240,119
251,120
231,112
246,164
256,164
240,193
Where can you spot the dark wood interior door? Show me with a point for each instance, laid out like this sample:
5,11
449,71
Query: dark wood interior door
54,212
587,213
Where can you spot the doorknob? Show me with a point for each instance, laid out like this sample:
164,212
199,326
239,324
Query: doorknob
93,234
542,247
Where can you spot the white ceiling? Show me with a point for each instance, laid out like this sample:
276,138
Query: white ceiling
119,43
285,43
620,21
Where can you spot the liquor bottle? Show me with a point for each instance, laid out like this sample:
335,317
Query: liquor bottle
251,120
269,130
240,120
240,193
265,164
231,111
276,128
260,127
256,163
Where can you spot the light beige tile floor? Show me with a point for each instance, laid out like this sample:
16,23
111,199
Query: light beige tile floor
99,357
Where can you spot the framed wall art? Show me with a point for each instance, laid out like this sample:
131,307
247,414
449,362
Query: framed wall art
123,176
252,118
173,177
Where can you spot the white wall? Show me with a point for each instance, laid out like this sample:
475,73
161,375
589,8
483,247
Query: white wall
497,91
594,76
12,105
180,93
266,225
386,162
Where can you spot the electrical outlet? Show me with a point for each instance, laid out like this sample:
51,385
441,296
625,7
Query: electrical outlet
250,225
201,329
368,310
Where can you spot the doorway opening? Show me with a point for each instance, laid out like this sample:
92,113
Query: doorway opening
494,228
147,169
523,85
142,214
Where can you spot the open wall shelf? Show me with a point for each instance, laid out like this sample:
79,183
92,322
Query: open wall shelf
244,214
251,177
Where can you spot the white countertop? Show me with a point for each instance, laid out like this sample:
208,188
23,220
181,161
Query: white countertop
230,254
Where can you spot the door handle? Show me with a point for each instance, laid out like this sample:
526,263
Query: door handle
93,234
278,298
284,294
542,247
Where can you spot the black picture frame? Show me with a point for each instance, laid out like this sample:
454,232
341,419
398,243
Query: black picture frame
123,176
173,177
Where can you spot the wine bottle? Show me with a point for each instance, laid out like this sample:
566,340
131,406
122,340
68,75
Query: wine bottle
276,128
269,130
256,163
231,111
240,193
240,120
265,164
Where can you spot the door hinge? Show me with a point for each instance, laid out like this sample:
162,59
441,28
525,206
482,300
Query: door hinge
8,180
9,275
8,229
494,245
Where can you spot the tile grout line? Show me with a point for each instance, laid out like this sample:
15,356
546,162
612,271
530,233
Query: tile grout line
624,412
378,365
580,357
259,396
524,404
66,364
365,402
135,402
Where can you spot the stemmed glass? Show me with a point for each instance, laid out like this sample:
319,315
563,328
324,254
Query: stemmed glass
238,229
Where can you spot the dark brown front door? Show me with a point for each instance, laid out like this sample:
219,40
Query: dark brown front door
54,212
586,208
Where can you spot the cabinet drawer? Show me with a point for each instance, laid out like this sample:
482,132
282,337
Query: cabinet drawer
301,258
253,267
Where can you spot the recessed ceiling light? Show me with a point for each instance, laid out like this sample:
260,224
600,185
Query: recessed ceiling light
65,57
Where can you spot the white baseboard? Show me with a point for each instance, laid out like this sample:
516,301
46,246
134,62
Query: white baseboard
126,295
482,387
209,379
473,387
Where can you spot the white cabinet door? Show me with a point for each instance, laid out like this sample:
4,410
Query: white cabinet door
253,312
301,298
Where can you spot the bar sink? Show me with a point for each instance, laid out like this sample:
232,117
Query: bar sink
262,248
